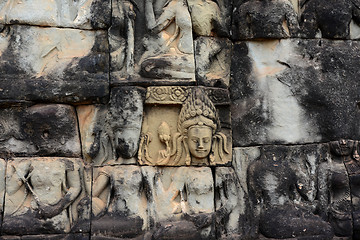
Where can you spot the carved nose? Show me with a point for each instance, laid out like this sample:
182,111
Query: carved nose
201,144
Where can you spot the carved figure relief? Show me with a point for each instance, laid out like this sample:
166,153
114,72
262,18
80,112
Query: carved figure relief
265,19
118,196
180,194
330,18
110,134
42,191
169,48
339,188
191,136
273,187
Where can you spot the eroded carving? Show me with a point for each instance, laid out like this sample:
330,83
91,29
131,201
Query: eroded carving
118,197
338,188
273,187
43,192
191,137
264,19
111,133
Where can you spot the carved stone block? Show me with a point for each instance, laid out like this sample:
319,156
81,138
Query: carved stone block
330,19
233,214
53,64
42,129
264,19
283,188
182,126
46,195
181,198
119,204
88,14
49,237
110,134
288,91
213,61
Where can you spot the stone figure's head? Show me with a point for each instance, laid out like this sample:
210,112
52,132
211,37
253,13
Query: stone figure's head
126,110
343,147
198,127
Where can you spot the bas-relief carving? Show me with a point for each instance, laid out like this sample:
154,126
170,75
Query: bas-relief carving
338,188
40,129
273,189
48,193
212,61
190,135
264,19
329,19
164,51
110,133
181,194
118,196
76,14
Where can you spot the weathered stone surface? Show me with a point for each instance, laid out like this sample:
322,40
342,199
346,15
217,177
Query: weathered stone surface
282,195
329,19
119,204
53,65
2,186
288,91
110,134
36,201
233,214
161,51
187,134
88,14
258,19
179,194
49,237
213,61
42,130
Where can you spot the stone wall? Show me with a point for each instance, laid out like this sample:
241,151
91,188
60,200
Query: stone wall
179,119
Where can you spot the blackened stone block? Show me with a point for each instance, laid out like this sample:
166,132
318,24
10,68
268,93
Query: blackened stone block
53,65
331,18
289,91
48,237
256,19
42,130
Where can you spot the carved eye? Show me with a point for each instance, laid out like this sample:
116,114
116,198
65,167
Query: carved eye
194,140
206,140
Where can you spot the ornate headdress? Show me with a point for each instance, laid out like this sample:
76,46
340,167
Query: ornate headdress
198,110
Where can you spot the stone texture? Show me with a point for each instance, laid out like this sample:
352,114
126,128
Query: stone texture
259,19
334,19
288,91
119,204
87,14
233,216
49,237
178,194
53,64
35,195
188,134
212,61
41,129
110,133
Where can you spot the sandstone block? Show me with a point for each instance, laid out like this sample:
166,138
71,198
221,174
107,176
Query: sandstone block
53,64
289,91
37,203
110,133
88,14
41,129
185,126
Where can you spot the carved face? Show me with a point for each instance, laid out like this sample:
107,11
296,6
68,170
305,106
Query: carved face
199,141
342,147
127,141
